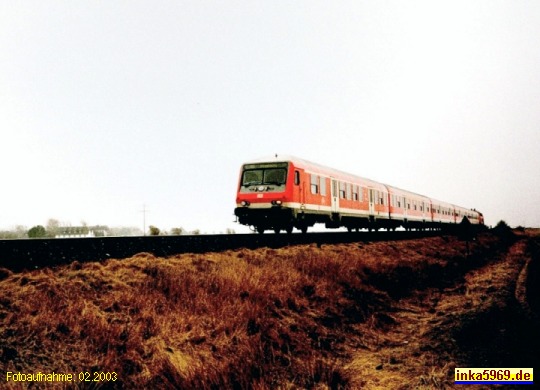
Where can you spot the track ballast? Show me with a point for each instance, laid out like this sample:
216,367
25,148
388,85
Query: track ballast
27,254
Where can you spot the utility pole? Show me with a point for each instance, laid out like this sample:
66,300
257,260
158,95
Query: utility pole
144,211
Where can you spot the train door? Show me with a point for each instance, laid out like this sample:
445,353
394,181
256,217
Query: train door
298,189
335,195
371,201
405,208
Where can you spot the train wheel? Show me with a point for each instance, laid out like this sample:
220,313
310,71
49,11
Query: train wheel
289,229
276,230
260,229
303,229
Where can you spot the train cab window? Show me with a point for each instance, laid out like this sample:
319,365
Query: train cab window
323,186
296,177
355,192
314,184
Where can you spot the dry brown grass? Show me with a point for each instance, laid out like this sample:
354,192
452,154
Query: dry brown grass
299,317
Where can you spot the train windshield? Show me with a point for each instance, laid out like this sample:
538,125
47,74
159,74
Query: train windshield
261,174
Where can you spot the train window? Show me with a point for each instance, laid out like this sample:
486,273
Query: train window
355,192
323,186
275,176
296,177
314,184
342,190
252,177
383,195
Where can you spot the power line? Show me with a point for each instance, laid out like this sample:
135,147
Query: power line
144,211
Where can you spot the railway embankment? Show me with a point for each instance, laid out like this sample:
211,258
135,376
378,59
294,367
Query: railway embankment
397,314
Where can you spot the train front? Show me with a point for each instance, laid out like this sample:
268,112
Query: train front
264,195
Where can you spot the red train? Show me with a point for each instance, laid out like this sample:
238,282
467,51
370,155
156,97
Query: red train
287,192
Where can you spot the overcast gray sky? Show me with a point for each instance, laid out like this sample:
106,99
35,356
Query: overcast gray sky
109,105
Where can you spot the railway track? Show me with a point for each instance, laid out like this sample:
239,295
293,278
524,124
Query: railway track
18,255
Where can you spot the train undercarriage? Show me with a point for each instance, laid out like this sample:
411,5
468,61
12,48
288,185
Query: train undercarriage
286,219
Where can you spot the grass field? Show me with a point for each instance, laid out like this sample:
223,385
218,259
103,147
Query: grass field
365,315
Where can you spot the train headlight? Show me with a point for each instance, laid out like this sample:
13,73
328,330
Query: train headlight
276,202
244,203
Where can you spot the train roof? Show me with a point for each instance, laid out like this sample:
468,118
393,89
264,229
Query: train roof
317,168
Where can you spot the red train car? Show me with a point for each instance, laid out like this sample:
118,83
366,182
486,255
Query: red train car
283,193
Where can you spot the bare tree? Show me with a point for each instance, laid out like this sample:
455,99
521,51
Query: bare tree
53,227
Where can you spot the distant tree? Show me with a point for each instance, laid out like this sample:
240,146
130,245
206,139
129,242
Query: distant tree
502,225
7,234
37,232
177,231
19,232
85,230
154,231
229,231
53,227
502,229
196,232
